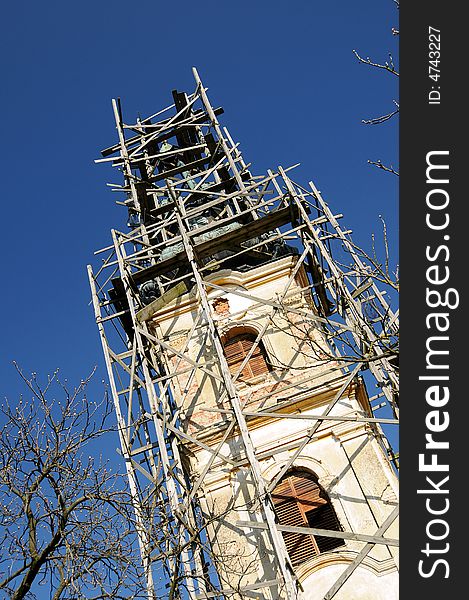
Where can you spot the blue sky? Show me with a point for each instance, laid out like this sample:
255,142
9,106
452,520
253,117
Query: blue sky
292,91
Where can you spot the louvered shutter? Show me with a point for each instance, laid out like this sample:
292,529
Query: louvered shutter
307,493
324,517
299,501
300,547
234,353
237,348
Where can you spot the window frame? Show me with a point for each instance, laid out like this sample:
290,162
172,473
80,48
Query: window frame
250,372
290,503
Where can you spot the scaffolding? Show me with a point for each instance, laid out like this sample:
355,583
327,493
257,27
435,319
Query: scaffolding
195,209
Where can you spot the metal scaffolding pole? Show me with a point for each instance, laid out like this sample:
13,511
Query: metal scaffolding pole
195,209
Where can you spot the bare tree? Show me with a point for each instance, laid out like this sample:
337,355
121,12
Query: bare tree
65,519
389,67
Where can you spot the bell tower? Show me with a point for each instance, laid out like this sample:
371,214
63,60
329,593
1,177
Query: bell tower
246,323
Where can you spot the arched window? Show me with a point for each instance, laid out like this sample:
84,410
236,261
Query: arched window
237,346
301,502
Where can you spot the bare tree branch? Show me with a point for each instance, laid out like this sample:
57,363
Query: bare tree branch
382,118
380,165
387,66
65,520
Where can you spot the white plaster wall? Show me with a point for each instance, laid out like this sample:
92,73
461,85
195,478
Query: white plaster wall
362,585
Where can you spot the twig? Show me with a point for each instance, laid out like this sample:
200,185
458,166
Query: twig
380,165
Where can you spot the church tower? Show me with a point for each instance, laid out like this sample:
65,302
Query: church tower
238,322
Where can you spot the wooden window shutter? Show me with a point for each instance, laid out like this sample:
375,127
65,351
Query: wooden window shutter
237,348
325,518
299,547
300,502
